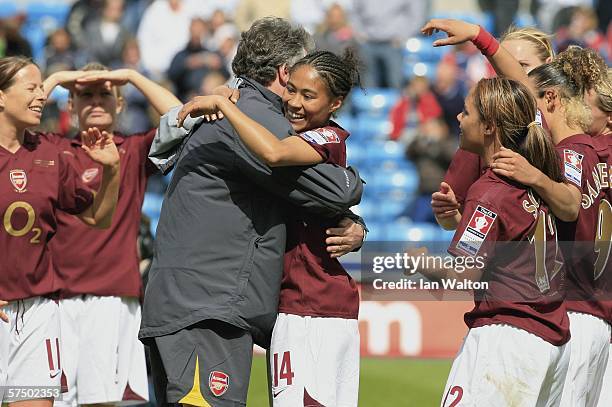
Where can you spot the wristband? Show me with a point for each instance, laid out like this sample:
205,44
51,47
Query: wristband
485,42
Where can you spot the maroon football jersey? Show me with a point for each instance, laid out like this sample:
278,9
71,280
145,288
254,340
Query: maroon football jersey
313,283
586,286
515,235
105,262
38,183
463,171
605,213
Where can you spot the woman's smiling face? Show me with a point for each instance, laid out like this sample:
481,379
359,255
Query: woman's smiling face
307,100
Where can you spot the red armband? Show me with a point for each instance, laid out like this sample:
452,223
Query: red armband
486,43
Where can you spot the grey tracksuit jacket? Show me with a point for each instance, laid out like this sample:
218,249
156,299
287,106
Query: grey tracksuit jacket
221,233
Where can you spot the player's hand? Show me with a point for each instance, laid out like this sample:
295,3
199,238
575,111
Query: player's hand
118,77
232,94
509,164
345,238
207,106
100,147
3,315
66,79
457,31
444,203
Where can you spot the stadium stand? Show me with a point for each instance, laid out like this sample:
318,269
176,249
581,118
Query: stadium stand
392,180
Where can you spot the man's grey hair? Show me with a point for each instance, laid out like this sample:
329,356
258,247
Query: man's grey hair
270,43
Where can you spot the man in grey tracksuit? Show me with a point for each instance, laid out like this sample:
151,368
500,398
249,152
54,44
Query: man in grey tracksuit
214,282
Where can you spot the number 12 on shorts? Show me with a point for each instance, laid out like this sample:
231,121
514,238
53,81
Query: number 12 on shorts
282,372
457,393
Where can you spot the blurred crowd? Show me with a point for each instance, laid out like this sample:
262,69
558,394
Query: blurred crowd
188,45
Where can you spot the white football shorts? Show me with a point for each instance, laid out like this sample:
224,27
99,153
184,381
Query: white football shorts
32,350
500,365
103,359
5,335
590,347
605,398
314,361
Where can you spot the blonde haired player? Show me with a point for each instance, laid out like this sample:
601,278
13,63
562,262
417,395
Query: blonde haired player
531,48
99,283
39,182
586,243
600,101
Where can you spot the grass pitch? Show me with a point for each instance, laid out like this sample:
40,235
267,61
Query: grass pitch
383,382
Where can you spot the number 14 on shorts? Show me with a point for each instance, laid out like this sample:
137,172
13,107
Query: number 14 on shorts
281,370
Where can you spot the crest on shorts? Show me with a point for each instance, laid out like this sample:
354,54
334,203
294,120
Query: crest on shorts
89,174
19,179
218,382
476,231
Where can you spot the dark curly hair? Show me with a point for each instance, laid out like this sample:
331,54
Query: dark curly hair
271,42
338,73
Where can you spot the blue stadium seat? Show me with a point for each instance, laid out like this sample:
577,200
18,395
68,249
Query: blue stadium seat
390,210
386,156
152,204
420,49
8,8
355,154
346,121
427,69
42,18
406,179
524,20
154,222
446,235
375,101
413,232
377,231
36,36
48,10
375,163
395,180
168,177
380,150
366,175
484,19
366,128
366,209
61,96
396,195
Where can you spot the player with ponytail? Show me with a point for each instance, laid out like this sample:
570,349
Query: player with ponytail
518,328
559,88
600,101
531,48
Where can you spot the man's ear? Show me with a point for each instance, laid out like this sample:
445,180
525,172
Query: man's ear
2,99
283,75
